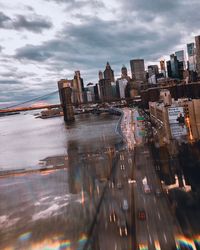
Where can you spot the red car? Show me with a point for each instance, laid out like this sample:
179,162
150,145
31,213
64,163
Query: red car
141,215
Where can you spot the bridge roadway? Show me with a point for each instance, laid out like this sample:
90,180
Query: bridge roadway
21,109
51,106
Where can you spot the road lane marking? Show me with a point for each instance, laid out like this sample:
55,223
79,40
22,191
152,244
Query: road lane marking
165,238
159,215
150,239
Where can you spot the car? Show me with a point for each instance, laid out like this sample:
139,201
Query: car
141,215
123,229
119,185
158,192
113,216
111,184
125,205
146,188
122,167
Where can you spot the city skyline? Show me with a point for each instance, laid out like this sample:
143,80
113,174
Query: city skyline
41,45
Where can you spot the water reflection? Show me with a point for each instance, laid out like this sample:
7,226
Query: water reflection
53,208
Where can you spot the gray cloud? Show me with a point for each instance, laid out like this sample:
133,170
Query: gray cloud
182,13
16,74
94,41
6,81
3,19
33,23
151,5
145,29
76,4
31,53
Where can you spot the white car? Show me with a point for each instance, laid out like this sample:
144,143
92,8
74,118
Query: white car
125,205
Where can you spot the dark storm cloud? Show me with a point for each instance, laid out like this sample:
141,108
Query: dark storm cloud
33,23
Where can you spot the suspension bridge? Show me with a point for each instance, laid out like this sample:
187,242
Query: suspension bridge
42,102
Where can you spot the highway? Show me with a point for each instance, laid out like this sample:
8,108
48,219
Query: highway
134,167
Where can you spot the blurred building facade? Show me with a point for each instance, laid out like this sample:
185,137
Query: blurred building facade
138,70
105,83
197,41
122,82
190,119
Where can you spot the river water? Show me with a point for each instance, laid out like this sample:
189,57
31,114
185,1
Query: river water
52,209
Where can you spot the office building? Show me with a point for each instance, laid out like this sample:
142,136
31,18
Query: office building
109,74
100,75
78,88
197,41
121,86
124,72
105,83
165,96
138,70
174,66
153,73
153,70
169,113
122,82
180,55
163,68
169,69
191,57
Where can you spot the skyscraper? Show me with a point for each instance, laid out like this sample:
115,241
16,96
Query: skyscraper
109,74
191,56
153,70
124,72
181,62
105,83
180,55
169,69
137,70
78,87
100,75
197,41
162,67
122,82
174,66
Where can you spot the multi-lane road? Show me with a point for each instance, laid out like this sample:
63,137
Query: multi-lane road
157,228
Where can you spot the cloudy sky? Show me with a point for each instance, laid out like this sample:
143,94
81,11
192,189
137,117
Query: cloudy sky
42,41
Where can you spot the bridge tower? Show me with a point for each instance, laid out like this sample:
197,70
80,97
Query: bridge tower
68,110
65,92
